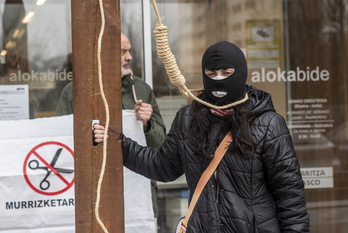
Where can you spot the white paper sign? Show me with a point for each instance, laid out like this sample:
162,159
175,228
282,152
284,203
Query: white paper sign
317,177
37,178
14,102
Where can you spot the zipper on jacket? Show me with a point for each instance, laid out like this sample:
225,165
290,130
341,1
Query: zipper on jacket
217,187
218,141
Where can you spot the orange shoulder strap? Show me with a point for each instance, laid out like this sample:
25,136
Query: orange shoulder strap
219,154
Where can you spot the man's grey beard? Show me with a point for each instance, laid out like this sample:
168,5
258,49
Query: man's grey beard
125,71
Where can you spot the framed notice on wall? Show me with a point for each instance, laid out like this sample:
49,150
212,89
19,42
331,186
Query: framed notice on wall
263,43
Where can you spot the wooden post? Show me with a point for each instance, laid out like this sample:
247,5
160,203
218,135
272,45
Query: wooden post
88,105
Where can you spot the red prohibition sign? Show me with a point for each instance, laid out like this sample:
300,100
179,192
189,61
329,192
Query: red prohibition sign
49,167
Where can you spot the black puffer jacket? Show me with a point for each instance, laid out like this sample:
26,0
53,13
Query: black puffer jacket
263,194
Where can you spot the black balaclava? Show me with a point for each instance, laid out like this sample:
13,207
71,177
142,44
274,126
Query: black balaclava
223,55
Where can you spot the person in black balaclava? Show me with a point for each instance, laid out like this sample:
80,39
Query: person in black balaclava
257,187
221,89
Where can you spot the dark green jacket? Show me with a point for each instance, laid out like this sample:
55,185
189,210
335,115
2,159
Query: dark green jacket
65,102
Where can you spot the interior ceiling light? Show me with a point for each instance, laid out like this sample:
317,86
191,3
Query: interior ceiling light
28,17
3,53
40,2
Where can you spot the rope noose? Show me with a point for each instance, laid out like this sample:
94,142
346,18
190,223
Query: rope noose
101,176
175,76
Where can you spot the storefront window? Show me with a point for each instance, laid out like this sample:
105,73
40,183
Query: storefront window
36,52
317,106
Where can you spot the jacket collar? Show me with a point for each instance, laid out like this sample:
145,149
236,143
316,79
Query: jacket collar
127,83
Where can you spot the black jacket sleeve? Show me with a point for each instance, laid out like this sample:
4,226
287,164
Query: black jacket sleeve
162,164
283,176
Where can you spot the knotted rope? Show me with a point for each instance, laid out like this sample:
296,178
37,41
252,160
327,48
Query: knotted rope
175,76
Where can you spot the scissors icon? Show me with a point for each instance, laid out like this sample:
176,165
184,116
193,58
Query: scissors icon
34,165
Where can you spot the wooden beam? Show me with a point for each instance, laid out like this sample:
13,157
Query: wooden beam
88,105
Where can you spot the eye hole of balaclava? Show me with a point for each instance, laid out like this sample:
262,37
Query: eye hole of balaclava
224,55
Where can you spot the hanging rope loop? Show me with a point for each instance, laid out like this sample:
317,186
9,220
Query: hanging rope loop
164,52
168,59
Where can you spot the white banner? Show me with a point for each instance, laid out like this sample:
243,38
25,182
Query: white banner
32,197
139,214
37,178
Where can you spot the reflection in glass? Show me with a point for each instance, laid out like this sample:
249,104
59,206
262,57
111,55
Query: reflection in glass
36,43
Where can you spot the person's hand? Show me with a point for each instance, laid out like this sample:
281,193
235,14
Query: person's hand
143,112
99,133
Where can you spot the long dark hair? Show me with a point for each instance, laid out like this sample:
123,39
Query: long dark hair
237,121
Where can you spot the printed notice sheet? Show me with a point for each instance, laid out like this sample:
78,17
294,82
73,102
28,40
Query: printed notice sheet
14,102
